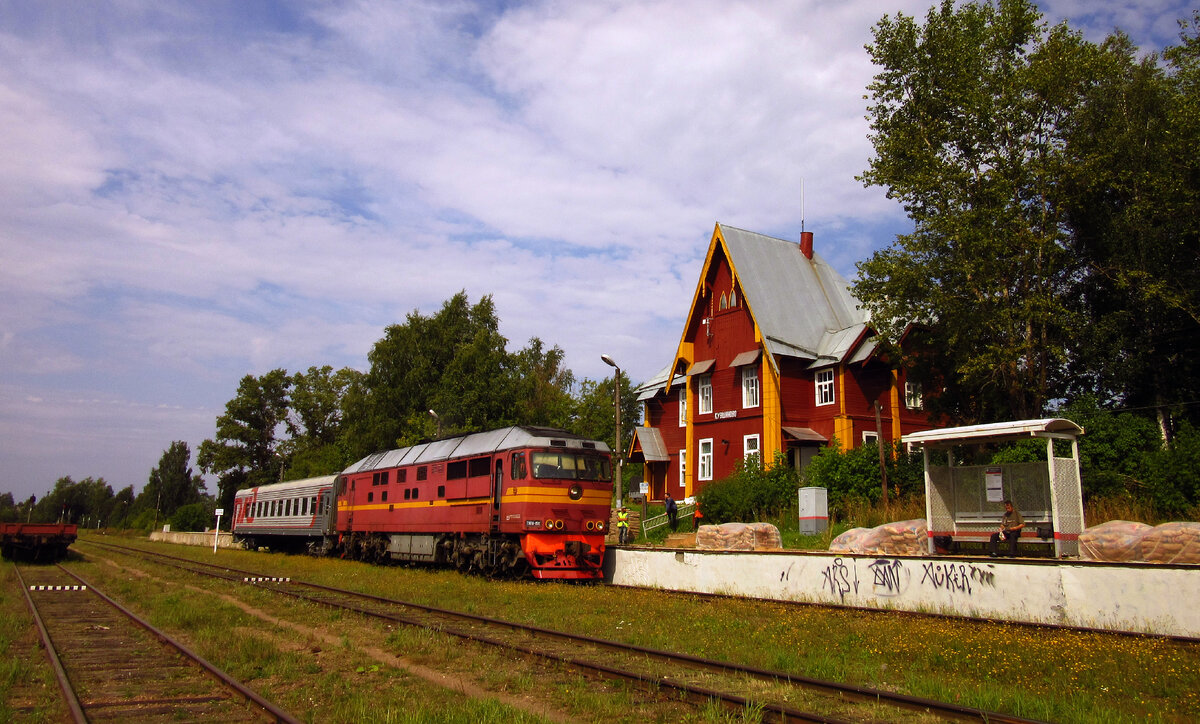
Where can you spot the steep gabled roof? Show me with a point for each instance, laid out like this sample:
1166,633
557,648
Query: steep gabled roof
802,306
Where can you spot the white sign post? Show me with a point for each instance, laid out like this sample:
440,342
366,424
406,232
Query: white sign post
217,532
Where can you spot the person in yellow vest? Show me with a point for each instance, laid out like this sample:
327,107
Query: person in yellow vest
622,524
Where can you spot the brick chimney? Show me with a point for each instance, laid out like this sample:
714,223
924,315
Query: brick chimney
806,244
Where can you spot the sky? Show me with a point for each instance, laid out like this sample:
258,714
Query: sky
192,192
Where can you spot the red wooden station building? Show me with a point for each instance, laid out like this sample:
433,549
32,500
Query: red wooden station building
775,355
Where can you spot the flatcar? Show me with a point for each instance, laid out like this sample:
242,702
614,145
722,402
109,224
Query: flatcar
37,541
515,501
294,516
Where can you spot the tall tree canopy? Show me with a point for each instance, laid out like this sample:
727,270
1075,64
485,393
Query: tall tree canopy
455,363
172,483
1052,187
964,122
243,454
1132,196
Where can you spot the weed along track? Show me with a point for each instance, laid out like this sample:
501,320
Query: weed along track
113,666
669,676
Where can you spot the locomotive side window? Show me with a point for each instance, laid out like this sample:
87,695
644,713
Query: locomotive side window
370,497
407,493
480,467
422,473
401,475
441,491
456,470
384,496
518,466
416,492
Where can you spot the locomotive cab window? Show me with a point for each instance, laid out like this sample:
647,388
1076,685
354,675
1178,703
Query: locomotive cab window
518,466
571,466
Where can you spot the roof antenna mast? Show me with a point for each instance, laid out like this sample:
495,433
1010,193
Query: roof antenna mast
801,204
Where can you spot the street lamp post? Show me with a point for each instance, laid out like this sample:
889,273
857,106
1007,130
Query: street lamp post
617,489
437,419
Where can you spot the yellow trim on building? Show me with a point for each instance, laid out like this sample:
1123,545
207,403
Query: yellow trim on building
843,426
895,398
772,410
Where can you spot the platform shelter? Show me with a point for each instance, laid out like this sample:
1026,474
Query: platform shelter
966,502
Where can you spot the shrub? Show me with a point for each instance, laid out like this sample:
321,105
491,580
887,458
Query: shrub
751,493
852,476
193,517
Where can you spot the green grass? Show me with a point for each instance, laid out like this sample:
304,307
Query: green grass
1056,675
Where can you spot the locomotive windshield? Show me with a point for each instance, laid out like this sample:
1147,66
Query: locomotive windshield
571,466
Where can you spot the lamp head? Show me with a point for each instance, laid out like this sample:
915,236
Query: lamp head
609,361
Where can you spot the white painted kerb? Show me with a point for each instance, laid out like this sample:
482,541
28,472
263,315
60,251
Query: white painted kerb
1149,598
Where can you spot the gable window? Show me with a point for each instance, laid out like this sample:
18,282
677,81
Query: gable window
750,386
912,396
682,406
825,387
704,392
683,468
732,298
724,302
750,447
706,459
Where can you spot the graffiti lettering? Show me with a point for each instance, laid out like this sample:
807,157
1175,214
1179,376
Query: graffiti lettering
887,576
837,577
957,576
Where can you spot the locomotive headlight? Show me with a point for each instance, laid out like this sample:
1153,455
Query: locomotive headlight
599,525
575,492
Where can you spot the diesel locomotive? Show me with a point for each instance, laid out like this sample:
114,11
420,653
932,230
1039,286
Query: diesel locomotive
515,501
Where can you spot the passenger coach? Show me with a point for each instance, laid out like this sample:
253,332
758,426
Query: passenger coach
292,516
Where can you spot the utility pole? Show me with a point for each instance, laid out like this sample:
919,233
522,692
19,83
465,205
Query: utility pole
617,487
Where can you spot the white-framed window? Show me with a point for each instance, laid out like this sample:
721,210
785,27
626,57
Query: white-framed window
750,396
912,396
683,468
706,460
869,437
825,387
750,446
682,406
704,393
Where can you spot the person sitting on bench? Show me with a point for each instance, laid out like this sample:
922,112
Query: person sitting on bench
1010,527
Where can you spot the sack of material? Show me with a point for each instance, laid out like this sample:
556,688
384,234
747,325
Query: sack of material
1114,541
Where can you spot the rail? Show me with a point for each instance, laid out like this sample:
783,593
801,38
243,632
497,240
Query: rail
654,522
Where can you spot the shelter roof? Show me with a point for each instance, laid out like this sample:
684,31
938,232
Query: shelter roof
995,432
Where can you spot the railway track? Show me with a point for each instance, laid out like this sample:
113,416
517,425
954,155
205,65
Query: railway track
779,696
113,666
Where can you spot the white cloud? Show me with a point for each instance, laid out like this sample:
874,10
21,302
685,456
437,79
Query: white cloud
193,192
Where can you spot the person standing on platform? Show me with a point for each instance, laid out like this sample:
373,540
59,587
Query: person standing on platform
672,513
622,525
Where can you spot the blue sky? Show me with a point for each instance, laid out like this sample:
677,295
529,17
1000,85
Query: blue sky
190,192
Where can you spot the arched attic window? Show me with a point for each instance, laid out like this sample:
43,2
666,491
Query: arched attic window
724,302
